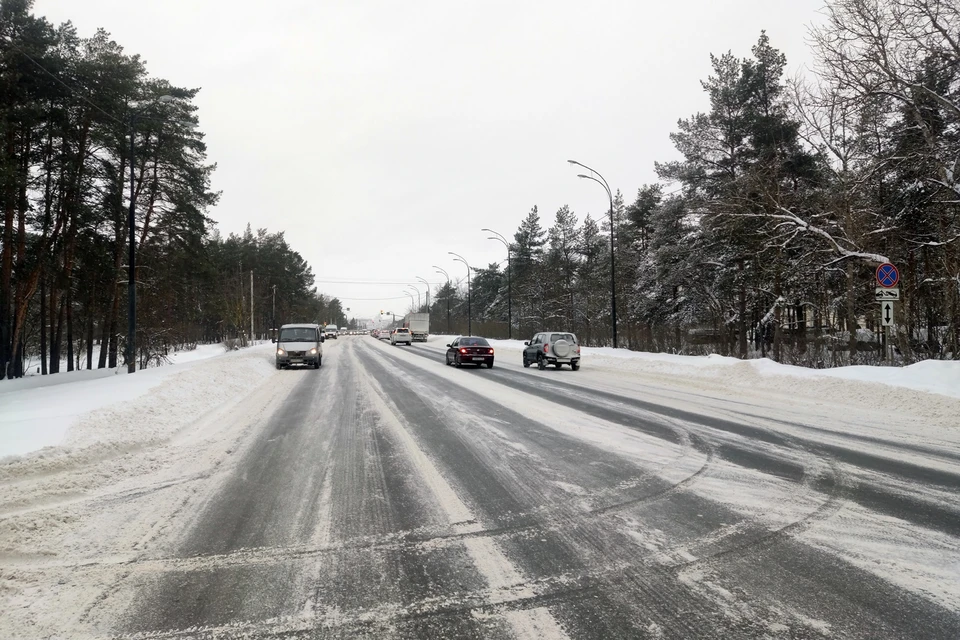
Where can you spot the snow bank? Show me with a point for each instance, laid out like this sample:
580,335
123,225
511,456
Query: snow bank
108,408
933,376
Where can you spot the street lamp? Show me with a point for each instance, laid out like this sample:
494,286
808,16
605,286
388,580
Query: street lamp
460,258
411,297
132,259
418,295
509,288
447,276
613,269
428,292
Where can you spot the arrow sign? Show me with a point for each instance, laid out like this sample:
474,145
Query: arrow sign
887,275
886,313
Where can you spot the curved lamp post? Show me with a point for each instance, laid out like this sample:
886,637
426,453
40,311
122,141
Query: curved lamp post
613,269
509,287
427,297
412,301
460,258
418,296
447,275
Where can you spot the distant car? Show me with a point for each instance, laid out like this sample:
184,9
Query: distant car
300,344
385,334
330,331
552,347
469,349
401,335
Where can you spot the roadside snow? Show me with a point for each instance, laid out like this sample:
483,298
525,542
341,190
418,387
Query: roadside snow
934,376
49,411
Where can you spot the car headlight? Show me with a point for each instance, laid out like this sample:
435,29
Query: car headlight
280,352
313,351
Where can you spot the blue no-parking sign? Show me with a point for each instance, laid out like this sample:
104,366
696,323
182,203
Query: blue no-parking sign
887,275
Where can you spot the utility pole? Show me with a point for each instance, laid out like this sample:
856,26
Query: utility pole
273,315
251,306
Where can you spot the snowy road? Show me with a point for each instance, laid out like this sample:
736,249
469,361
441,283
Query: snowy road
387,495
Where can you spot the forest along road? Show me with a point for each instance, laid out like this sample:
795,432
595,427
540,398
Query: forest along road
388,495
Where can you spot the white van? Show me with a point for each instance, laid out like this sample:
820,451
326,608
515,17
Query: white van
300,344
330,331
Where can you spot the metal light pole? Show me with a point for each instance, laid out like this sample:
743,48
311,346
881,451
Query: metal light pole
460,258
411,297
418,296
132,257
447,276
428,292
613,269
509,287
273,315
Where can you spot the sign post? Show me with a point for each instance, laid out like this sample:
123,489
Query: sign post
888,276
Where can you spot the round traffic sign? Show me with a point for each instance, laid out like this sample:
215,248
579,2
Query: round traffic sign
887,275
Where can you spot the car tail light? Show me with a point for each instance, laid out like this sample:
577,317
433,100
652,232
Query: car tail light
463,350
490,351
546,347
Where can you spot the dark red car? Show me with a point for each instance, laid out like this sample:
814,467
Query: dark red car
470,350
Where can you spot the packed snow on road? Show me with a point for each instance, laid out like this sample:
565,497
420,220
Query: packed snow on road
390,494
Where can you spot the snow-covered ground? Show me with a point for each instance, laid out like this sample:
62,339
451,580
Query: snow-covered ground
935,376
39,411
130,461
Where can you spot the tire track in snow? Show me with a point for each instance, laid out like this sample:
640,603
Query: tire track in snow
487,557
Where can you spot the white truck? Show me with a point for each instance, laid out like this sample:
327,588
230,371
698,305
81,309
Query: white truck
419,325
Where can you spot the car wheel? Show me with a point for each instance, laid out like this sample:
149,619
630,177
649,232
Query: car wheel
526,363
319,362
456,362
279,366
575,366
490,364
541,363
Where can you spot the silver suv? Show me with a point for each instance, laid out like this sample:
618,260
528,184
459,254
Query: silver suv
552,347
401,335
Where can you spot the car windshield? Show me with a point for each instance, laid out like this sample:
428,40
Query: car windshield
474,342
569,337
402,330
298,334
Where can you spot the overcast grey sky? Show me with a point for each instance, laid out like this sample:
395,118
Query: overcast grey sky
379,135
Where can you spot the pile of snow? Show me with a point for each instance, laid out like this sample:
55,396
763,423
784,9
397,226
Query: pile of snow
933,376
110,409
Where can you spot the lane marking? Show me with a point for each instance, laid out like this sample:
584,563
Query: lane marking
499,572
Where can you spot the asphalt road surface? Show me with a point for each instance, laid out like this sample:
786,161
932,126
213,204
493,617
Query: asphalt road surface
390,496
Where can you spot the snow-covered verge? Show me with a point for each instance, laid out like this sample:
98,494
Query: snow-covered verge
48,411
159,435
928,390
935,376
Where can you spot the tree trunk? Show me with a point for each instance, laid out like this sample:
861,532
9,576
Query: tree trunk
69,306
90,311
742,310
43,326
56,335
851,313
6,262
114,313
104,339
